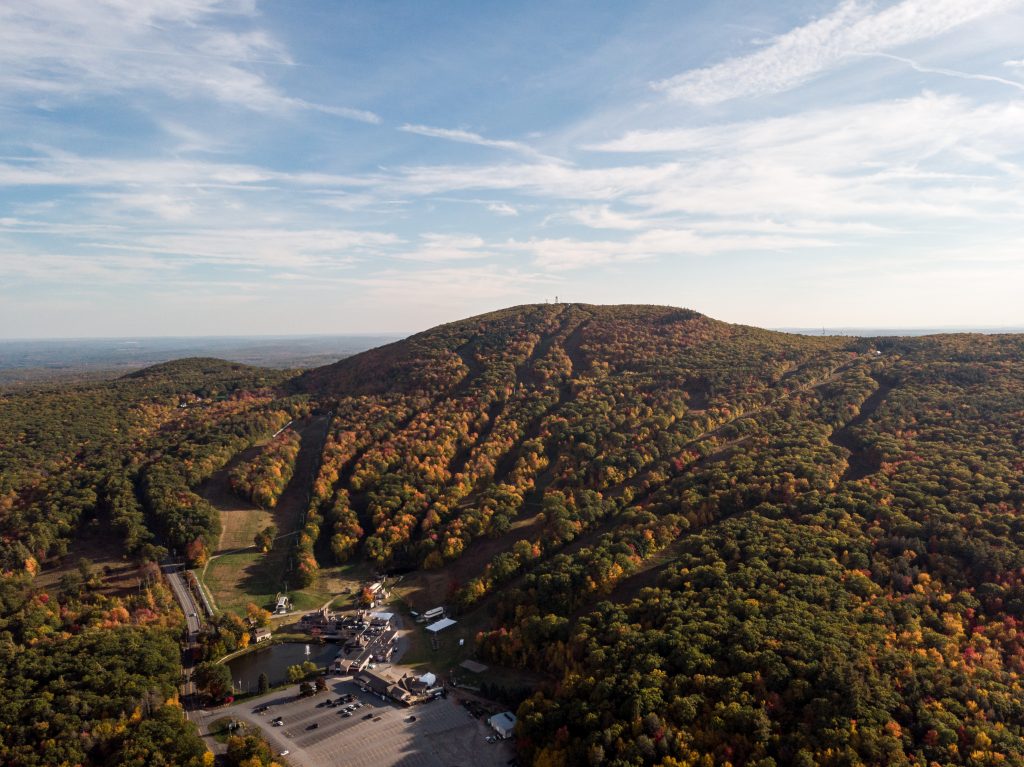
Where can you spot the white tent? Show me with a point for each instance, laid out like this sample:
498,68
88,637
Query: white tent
428,679
441,625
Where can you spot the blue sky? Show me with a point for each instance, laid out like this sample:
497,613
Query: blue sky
211,167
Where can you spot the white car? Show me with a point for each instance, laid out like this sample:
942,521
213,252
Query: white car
284,753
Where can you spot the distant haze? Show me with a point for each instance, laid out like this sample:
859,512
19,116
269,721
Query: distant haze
27,361
873,332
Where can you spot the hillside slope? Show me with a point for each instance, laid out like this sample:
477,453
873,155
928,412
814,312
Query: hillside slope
722,545
455,432
713,544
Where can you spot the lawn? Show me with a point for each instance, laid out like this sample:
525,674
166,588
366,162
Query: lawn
235,580
448,654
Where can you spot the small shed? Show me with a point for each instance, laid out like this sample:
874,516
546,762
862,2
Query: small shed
440,625
261,635
503,724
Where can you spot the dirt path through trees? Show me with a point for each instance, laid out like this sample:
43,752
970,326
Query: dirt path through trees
863,460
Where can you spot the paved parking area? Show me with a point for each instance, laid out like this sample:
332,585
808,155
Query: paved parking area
443,734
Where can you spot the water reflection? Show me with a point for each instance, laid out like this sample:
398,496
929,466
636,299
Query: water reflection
275,660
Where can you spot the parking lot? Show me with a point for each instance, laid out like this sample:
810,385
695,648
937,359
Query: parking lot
379,733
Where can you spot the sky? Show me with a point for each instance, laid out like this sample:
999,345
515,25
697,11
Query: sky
217,167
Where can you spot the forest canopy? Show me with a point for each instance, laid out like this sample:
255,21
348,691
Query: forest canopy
713,544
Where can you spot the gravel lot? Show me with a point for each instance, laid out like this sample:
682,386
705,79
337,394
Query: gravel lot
443,735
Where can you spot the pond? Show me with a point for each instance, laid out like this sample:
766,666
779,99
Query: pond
275,660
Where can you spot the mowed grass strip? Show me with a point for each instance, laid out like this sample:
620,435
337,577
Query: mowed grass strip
235,580
240,527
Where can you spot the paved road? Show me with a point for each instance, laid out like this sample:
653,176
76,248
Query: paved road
188,605
183,594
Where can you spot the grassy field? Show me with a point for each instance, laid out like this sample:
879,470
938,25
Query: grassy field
235,580
449,654
445,659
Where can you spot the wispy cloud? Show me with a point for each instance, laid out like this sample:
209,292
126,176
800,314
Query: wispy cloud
924,69
468,137
802,53
439,248
604,217
60,50
264,248
567,253
503,209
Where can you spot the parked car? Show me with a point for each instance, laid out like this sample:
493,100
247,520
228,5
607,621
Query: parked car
368,716
284,753
313,726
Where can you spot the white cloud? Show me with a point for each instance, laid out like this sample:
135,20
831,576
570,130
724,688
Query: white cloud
928,156
437,248
603,217
950,72
267,248
64,49
503,209
54,167
449,286
802,53
467,137
545,179
560,254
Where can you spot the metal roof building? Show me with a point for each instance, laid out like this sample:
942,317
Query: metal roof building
441,625
503,723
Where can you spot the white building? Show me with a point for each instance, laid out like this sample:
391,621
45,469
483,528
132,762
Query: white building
504,724
433,614
440,625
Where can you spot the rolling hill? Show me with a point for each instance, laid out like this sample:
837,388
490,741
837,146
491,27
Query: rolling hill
718,543
710,543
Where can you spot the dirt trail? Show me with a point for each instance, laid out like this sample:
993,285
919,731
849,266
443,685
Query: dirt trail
863,460
240,519
648,574
475,367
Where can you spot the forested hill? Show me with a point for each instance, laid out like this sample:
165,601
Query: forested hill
449,435
714,544
526,344
722,545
